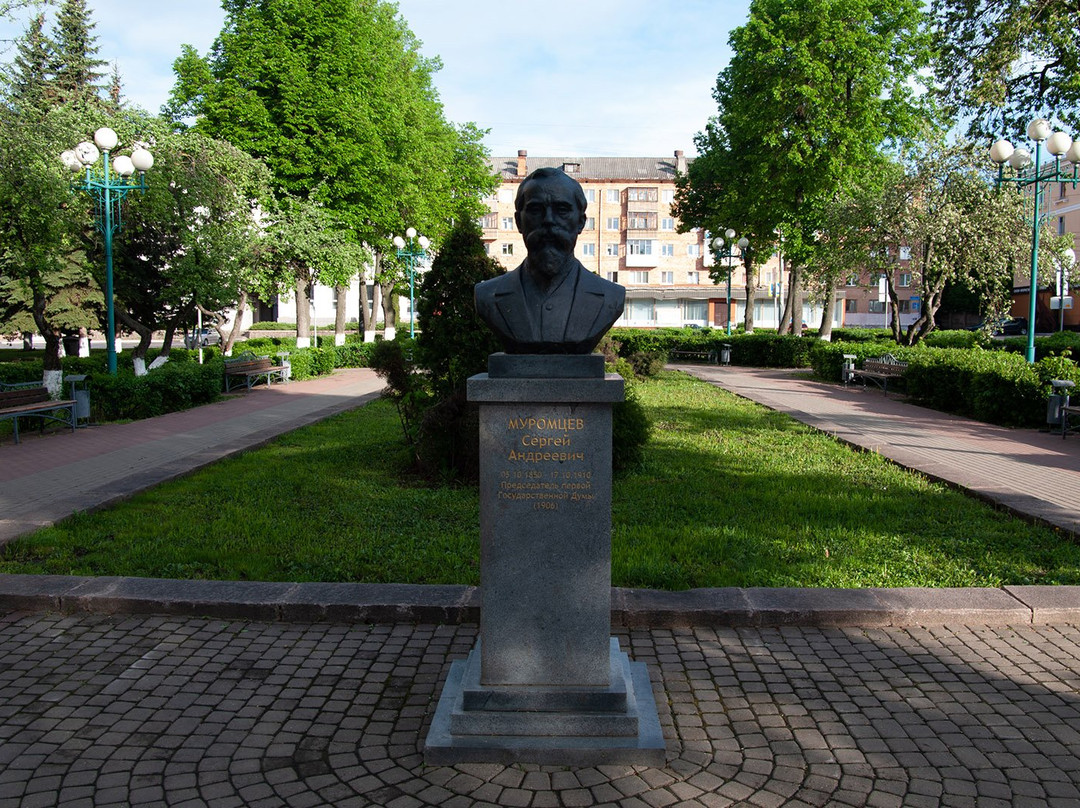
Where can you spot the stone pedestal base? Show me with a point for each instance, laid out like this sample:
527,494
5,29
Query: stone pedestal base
561,726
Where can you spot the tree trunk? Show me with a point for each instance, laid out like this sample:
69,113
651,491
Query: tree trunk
365,321
342,295
828,302
138,356
303,314
751,287
791,323
228,341
389,310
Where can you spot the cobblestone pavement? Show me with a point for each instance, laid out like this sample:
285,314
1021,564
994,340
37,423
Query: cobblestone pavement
140,711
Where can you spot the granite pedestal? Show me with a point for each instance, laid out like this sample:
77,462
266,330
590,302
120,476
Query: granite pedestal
546,682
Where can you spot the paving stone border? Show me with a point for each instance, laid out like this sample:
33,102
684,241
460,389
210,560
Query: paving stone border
631,608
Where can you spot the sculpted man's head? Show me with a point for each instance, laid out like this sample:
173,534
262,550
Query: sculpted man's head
550,213
551,303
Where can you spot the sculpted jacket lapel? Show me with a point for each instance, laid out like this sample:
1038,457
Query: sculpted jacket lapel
510,301
587,306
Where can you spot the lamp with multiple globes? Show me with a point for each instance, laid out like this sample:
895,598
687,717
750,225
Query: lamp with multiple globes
729,253
1061,146
412,249
108,182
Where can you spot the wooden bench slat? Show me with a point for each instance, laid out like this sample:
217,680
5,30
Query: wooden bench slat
34,402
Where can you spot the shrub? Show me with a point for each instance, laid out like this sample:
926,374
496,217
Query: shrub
630,426
956,339
176,386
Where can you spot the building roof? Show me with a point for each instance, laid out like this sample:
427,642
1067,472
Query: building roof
660,169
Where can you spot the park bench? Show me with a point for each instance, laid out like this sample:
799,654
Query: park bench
250,369
880,370
703,356
1066,411
33,401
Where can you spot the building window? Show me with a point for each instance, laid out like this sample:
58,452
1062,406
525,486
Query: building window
506,195
695,310
489,221
611,195
613,277
638,246
590,223
1061,223
853,280
639,276
667,250
667,223
571,168
590,194
876,307
693,277
641,195
667,277
487,248
641,220
851,306
588,249
905,306
904,280
693,250
905,253
1063,192
613,249
507,223
613,223
508,249
667,195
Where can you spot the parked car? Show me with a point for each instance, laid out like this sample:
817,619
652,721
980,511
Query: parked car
207,336
1005,326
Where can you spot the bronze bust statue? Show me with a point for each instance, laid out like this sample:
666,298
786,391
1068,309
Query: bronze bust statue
550,304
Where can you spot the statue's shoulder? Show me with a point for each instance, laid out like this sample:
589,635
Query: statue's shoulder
591,282
502,284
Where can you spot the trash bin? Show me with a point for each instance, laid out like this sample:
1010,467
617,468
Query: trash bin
283,360
1058,399
848,371
725,354
71,344
81,395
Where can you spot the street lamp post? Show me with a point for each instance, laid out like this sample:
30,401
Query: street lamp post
108,183
411,249
1058,144
729,253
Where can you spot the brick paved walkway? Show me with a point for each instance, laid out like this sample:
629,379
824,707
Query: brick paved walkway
151,711
45,479
1032,473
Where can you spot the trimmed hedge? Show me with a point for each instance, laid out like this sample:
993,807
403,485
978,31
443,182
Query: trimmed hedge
176,386
761,349
998,387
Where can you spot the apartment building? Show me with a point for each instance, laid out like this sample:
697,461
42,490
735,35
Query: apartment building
631,237
863,306
1061,203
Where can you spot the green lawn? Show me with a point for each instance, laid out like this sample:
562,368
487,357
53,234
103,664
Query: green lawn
730,494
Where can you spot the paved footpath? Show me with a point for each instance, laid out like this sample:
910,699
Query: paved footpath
150,711
1031,473
45,479
127,692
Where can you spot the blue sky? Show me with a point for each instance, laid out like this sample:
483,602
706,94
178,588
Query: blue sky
556,77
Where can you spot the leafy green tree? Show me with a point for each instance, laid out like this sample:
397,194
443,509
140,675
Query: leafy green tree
43,278
76,69
189,241
336,98
960,230
1004,63
814,91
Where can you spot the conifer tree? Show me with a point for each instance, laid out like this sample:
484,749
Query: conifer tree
76,68
29,80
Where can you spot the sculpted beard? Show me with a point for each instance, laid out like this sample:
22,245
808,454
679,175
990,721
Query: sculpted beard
549,249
